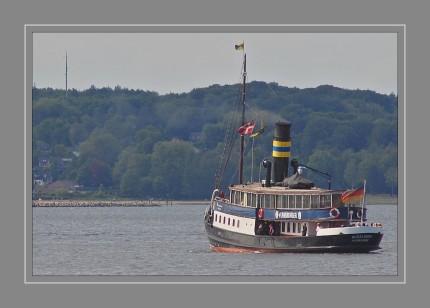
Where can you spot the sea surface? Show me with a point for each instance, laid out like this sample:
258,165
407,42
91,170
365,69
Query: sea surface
170,240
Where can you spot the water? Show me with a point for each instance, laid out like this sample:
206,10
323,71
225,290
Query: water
170,240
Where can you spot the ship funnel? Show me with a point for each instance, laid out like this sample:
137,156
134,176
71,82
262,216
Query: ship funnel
281,150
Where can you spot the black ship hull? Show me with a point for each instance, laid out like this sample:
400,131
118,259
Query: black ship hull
227,241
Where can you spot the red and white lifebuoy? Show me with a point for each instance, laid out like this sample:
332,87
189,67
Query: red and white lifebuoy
359,213
260,213
334,213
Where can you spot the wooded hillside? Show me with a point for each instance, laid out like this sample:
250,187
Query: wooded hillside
145,145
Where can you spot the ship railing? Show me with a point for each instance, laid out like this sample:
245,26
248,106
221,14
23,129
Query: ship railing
214,196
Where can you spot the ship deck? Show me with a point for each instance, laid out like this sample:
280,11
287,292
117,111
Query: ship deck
259,189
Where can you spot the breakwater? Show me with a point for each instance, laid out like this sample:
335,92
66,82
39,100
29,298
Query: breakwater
92,203
109,203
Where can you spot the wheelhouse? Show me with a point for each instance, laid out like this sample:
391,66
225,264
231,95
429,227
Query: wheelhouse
279,198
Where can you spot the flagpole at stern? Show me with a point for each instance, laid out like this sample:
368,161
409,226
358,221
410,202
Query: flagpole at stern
362,203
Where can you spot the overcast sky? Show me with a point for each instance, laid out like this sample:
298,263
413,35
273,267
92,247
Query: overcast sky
180,62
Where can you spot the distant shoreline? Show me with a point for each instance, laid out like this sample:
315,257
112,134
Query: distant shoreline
370,199
111,203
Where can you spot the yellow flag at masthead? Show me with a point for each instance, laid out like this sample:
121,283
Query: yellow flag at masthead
240,46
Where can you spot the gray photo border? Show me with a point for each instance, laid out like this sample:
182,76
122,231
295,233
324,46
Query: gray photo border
203,28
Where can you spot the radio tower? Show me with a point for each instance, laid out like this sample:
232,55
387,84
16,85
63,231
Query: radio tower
66,74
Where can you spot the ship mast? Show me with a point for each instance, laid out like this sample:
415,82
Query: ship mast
66,74
242,137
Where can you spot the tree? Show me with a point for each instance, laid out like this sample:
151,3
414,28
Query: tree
97,157
384,132
145,138
130,184
211,135
52,131
350,173
391,178
100,146
169,163
325,162
317,132
131,160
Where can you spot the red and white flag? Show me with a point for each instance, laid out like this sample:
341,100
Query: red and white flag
246,128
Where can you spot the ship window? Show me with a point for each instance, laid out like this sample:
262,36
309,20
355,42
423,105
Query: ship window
223,220
266,201
284,201
228,221
219,220
325,201
216,217
237,197
315,201
299,202
288,227
249,200
291,201
336,200
269,201
279,201
234,222
306,201
238,223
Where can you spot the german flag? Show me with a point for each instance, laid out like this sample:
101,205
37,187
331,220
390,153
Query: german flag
352,196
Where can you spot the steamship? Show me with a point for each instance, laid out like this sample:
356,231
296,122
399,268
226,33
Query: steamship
287,213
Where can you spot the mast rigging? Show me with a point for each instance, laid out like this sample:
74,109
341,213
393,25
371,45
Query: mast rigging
242,137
